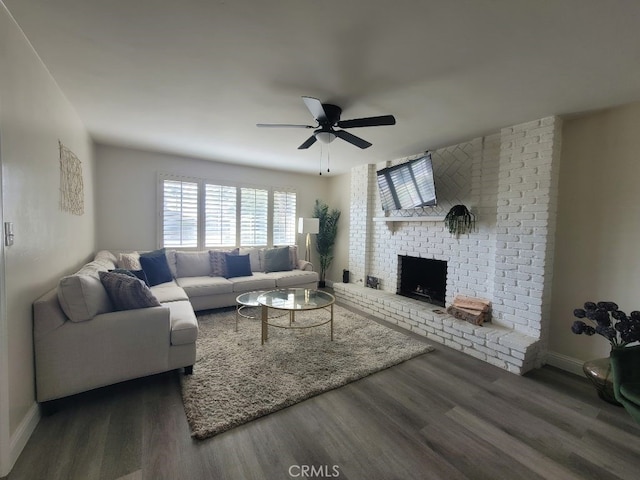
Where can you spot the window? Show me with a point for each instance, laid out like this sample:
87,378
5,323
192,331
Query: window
284,218
254,208
220,216
180,214
200,214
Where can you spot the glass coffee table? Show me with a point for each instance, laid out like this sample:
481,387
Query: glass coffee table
244,301
294,300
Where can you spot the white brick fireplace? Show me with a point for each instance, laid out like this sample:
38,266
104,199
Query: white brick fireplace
509,180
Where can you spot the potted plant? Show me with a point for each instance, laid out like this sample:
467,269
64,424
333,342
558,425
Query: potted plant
326,237
460,220
617,327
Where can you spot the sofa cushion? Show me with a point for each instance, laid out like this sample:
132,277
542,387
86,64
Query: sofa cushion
258,281
127,292
184,324
129,261
202,286
294,278
238,266
219,261
293,254
82,297
193,264
254,258
156,267
93,268
172,262
169,292
276,259
105,259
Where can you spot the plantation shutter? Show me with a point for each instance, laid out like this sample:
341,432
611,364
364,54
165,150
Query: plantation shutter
220,216
254,209
179,213
284,218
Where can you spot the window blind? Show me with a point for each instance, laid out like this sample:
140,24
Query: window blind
284,218
254,209
180,213
220,215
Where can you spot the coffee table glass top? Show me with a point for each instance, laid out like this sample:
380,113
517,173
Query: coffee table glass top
296,299
249,299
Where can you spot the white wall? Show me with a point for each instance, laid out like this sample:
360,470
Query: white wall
34,115
127,190
598,236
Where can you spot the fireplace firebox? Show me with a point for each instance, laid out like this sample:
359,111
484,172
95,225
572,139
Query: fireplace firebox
423,279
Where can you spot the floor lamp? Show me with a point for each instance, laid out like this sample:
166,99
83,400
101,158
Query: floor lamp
308,226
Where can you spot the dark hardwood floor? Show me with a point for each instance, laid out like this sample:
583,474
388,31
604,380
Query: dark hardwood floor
443,415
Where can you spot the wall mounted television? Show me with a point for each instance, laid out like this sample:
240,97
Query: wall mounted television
408,185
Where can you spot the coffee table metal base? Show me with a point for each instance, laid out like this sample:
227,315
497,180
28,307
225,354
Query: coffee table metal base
292,301
249,300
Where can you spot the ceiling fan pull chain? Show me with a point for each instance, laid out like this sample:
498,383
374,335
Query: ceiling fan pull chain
321,150
328,157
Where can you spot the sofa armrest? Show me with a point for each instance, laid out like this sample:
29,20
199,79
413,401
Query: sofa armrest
109,348
304,265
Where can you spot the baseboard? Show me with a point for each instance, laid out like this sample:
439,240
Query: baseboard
22,434
568,364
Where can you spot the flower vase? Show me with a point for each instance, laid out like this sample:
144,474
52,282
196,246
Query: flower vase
599,373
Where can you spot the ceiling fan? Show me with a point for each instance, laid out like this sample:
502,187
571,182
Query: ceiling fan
328,117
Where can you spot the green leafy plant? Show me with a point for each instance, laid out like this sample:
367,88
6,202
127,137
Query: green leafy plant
326,237
460,220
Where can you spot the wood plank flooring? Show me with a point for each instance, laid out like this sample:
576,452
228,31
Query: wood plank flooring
443,415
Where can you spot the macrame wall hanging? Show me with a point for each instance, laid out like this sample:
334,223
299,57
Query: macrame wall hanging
71,185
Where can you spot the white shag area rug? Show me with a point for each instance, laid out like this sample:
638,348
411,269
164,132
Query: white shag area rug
236,380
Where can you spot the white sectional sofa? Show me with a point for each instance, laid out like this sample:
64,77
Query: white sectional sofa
88,333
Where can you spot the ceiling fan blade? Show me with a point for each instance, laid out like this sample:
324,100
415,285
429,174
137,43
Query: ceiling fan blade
310,141
315,107
368,122
281,125
357,141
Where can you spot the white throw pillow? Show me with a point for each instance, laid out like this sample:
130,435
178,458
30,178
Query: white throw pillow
129,261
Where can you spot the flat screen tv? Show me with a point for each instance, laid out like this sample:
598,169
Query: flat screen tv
408,185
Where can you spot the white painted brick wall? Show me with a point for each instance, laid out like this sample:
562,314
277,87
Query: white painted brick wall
499,346
509,179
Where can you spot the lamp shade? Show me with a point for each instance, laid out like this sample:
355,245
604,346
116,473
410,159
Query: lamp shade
308,225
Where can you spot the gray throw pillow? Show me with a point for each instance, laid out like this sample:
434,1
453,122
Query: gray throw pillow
219,262
277,260
126,292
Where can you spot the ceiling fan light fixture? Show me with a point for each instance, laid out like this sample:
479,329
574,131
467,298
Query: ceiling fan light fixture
325,137
327,116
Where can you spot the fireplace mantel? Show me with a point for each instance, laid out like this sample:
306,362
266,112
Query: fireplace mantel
424,218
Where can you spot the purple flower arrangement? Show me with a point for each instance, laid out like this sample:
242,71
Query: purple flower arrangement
613,324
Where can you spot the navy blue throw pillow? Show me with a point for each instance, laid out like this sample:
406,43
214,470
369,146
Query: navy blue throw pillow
238,266
155,266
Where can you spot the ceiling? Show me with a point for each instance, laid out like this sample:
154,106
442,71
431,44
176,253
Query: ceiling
193,77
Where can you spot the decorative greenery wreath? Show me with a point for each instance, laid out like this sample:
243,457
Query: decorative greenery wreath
460,220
